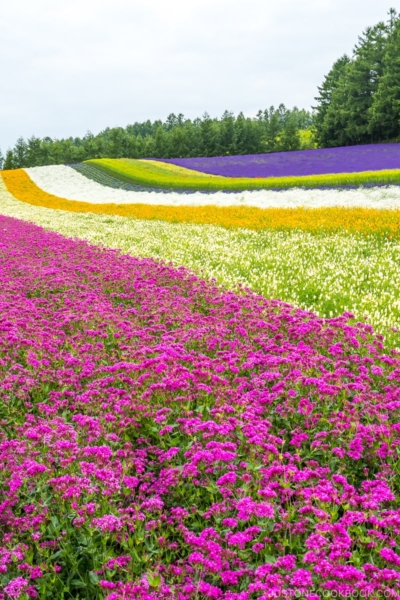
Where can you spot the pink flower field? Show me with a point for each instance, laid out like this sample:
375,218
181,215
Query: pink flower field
163,438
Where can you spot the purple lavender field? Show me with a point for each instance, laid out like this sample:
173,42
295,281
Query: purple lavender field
350,159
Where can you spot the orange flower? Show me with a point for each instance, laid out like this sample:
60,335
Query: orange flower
368,221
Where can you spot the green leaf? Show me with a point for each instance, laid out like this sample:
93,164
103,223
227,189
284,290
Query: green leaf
78,583
269,559
154,581
93,577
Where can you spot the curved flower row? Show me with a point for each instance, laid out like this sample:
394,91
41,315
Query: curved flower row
373,221
108,179
105,179
163,174
326,273
68,183
163,438
347,159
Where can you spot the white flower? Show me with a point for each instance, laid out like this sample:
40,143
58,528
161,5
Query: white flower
65,182
326,274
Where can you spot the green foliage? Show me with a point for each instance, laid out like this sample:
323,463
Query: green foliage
290,139
270,131
20,153
307,139
359,99
9,162
385,110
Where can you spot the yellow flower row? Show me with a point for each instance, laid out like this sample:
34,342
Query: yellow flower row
350,220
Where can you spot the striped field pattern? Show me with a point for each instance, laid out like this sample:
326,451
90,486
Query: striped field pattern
165,175
325,250
199,386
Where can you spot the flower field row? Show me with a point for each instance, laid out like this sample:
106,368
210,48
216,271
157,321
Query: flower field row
164,438
99,176
347,159
325,273
165,175
69,184
370,221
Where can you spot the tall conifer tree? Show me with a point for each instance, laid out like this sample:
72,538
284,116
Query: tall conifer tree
361,84
9,161
385,110
325,131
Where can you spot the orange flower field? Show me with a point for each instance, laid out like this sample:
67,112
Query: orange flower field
357,220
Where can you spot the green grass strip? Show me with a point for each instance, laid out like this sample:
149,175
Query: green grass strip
163,175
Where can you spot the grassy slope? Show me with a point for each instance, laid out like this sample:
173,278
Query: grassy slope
158,174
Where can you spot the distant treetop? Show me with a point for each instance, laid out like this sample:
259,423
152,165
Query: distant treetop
271,130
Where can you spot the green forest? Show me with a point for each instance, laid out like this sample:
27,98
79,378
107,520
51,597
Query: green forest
358,102
271,130
359,99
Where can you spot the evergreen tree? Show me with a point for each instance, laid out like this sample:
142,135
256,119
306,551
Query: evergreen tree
251,137
33,152
273,130
240,134
115,143
209,136
227,133
1,160
259,132
290,138
350,110
140,145
9,161
362,83
323,130
193,137
303,118
160,143
91,145
171,122
282,114
57,153
130,147
393,16
69,152
20,153
149,147
385,110
178,146
46,151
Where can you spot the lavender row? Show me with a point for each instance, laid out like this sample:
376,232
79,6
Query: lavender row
99,176
351,159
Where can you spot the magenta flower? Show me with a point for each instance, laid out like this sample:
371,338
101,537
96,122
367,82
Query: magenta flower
167,430
16,587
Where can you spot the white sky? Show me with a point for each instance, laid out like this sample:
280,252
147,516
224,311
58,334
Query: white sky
75,65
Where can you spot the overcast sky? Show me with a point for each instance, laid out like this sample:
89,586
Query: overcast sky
67,67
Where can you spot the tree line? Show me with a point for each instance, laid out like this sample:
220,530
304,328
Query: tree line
359,99
272,130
